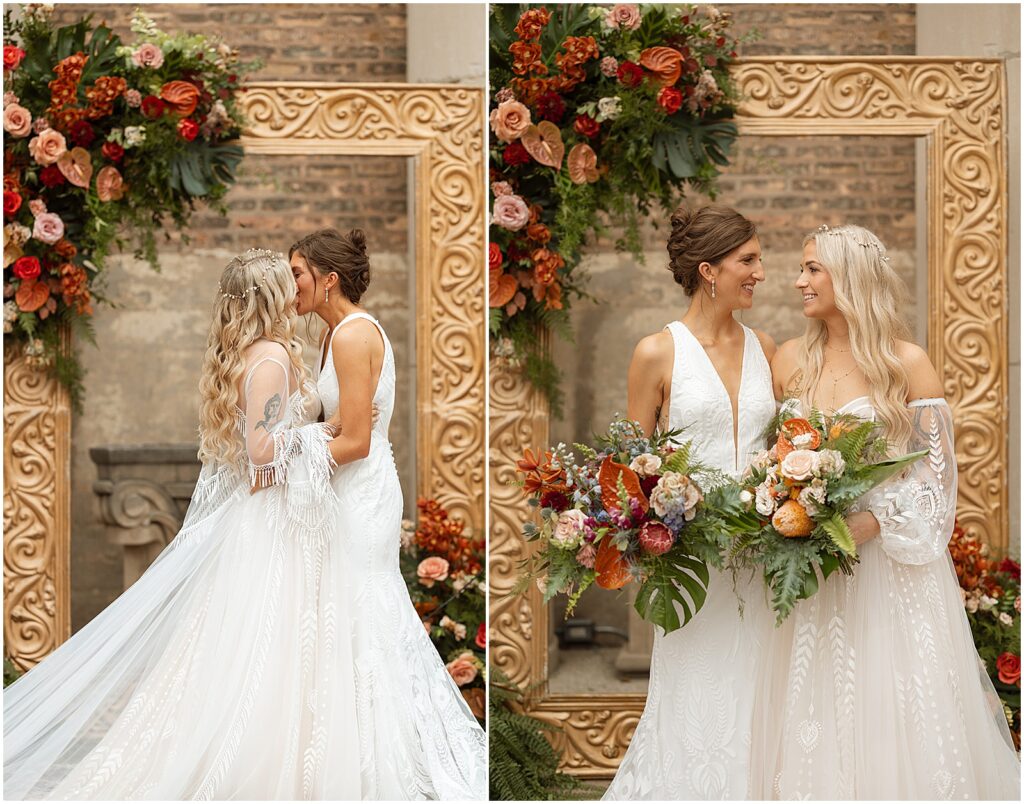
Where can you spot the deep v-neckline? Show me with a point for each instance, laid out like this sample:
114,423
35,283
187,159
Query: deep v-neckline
734,411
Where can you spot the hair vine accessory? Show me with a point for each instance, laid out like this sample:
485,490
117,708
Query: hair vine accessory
824,229
248,256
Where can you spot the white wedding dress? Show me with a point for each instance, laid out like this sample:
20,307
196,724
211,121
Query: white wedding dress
872,688
417,736
226,670
693,740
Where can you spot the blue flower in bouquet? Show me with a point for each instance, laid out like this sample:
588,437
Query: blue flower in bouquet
675,499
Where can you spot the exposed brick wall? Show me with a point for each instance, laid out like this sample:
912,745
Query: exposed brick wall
142,378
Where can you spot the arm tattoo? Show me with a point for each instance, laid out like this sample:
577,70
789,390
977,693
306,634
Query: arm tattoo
271,413
795,382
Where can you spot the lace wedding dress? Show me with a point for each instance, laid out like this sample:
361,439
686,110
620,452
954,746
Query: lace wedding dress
693,740
872,688
226,670
417,736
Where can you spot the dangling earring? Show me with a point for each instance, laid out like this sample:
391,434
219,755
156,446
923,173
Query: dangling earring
326,296
712,288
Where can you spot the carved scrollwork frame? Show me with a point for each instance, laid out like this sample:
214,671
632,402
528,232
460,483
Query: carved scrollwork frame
957,106
440,127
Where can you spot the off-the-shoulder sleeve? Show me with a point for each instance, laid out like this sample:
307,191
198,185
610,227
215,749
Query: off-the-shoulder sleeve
915,510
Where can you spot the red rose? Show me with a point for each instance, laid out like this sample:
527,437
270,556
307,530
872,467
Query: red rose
516,154
12,57
494,256
27,268
670,99
81,133
550,106
188,128
152,107
481,636
630,74
51,176
586,126
1007,664
113,151
12,203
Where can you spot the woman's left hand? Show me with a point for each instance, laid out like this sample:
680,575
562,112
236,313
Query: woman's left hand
863,526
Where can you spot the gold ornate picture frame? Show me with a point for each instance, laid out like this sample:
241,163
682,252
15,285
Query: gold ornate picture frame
440,127
957,107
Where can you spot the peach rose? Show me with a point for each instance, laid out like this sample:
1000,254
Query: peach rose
17,120
463,669
109,184
799,464
148,55
510,212
623,15
510,120
569,529
431,570
48,146
76,165
180,96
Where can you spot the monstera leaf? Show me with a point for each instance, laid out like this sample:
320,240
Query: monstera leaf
692,143
680,584
198,170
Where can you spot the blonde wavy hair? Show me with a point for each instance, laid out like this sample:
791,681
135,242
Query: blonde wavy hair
868,293
255,299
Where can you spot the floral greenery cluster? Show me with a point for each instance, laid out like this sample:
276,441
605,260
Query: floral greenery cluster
444,570
595,110
991,594
102,137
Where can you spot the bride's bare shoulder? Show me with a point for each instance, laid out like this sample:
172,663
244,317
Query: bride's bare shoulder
655,349
924,382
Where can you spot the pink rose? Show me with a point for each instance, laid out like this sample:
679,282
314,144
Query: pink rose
76,165
609,66
431,570
148,55
510,120
48,147
463,669
10,97
500,188
799,464
510,212
109,184
569,528
48,228
623,15
37,206
17,120
133,98
655,538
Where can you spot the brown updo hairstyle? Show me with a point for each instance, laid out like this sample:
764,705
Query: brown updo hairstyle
328,251
706,234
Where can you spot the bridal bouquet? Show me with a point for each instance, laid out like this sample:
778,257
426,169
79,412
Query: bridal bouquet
631,511
795,496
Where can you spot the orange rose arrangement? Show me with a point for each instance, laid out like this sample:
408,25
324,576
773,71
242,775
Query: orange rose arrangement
90,153
566,114
791,503
443,567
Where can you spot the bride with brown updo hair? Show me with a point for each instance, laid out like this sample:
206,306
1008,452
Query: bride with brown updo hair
708,375
418,738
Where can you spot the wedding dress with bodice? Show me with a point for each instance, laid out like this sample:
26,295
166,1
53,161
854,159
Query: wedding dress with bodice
225,671
693,740
417,736
872,688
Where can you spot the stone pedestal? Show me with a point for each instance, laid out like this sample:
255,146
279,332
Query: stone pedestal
144,492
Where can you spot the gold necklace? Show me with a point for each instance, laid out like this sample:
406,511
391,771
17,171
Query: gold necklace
836,381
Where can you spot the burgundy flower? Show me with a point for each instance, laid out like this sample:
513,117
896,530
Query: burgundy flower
586,126
152,107
81,133
555,500
647,484
1010,567
516,154
630,74
550,106
51,176
113,151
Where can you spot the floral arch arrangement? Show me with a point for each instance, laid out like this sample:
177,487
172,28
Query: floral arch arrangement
596,110
102,137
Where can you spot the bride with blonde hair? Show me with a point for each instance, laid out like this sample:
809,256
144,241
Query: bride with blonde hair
872,688
226,670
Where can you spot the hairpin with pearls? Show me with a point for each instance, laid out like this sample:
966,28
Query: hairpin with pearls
824,229
250,255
